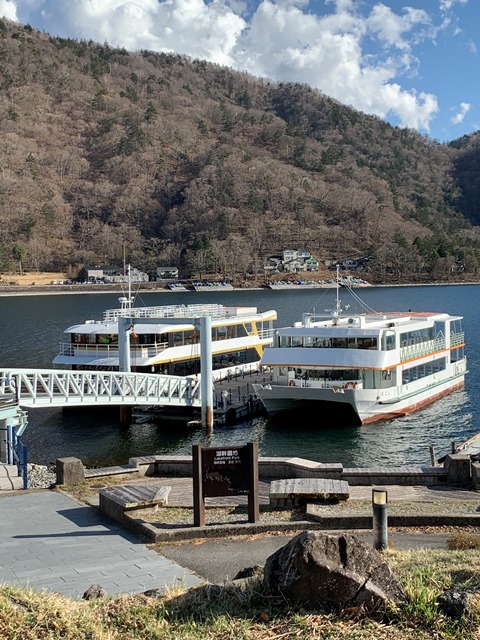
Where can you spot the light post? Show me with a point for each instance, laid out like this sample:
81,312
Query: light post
380,518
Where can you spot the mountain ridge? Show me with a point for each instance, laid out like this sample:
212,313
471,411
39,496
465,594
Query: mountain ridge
179,161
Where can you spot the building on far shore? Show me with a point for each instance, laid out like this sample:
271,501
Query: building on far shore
110,274
167,273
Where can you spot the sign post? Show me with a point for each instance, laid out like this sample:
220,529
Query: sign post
225,471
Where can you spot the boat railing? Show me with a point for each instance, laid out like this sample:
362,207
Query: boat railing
70,349
457,339
416,350
266,334
171,311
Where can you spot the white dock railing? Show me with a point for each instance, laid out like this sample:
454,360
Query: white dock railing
40,388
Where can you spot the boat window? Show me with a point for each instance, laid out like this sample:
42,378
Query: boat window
457,354
296,341
367,343
390,341
219,333
81,338
423,370
323,343
239,331
177,337
190,337
248,327
456,332
420,335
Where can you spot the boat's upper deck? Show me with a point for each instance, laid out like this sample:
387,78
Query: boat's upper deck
175,317
371,324
179,311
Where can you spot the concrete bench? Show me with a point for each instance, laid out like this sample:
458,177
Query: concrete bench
299,491
114,501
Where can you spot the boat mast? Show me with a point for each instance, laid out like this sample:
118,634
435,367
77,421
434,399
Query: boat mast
129,287
338,310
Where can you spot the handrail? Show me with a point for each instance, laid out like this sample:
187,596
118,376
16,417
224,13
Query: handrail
81,349
457,338
171,311
17,453
417,350
37,387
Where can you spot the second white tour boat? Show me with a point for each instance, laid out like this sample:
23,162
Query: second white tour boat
356,369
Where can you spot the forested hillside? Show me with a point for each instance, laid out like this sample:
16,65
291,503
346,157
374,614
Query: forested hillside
186,163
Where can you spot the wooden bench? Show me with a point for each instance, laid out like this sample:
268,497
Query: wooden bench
114,501
293,492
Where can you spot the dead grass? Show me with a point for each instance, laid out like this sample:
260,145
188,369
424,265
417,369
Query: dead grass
244,612
464,540
40,278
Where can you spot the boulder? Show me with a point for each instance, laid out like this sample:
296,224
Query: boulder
332,572
159,592
250,572
94,591
458,602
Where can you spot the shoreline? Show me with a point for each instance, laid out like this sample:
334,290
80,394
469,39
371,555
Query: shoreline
52,290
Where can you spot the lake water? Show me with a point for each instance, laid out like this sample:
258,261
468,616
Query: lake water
32,328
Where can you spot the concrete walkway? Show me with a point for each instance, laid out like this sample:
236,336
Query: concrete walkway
9,478
50,541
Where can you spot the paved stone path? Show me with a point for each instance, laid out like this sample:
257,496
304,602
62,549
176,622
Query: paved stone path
48,540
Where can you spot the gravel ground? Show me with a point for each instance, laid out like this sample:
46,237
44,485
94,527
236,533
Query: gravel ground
40,476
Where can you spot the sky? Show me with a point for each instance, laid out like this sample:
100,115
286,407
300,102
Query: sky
413,64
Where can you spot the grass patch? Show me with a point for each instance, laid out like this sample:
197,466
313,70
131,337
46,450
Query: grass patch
464,540
88,489
218,515
242,611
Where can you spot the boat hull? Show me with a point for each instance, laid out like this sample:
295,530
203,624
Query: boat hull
349,406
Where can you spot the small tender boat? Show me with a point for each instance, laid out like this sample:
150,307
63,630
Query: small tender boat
357,369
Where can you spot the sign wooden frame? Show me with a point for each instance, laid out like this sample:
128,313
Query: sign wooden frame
225,471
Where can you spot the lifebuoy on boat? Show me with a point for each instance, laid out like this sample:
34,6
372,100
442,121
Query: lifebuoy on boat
291,383
349,385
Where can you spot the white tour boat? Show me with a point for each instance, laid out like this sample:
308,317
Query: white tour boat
171,345
362,368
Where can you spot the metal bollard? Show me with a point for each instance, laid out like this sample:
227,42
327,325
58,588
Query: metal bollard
380,518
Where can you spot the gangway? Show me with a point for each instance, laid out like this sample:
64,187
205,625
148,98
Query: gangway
54,387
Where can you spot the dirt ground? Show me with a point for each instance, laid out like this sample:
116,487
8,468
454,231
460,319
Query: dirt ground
26,279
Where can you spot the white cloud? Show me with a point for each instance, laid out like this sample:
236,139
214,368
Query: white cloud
471,46
446,5
283,40
8,10
326,52
461,113
391,27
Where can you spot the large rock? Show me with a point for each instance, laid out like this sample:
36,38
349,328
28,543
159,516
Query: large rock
318,570
458,602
